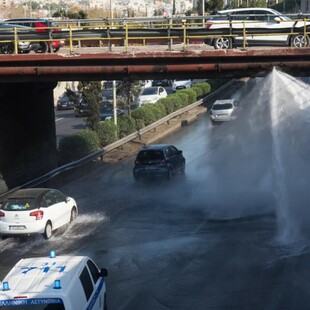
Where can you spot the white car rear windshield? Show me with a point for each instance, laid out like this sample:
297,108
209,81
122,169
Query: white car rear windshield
22,204
224,106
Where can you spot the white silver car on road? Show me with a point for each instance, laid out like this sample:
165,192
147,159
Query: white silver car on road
151,95
36,210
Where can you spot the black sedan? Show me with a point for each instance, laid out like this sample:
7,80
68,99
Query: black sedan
158,160
107,112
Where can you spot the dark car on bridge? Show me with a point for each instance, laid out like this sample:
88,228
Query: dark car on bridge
40,25
158,160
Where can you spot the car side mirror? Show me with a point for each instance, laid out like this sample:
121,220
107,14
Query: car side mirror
67,199
277,19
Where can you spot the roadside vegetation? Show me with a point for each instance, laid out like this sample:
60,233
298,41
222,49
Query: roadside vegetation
103,133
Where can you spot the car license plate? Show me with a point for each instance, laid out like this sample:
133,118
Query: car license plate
17,227
150,168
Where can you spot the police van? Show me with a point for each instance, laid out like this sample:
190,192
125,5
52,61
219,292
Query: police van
54,283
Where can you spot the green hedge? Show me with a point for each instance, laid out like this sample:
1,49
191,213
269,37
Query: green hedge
107,132
78,145
126,126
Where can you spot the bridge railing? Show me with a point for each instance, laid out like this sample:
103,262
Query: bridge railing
131,32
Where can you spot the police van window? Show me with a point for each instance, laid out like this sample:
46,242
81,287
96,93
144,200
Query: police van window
93,270
86,283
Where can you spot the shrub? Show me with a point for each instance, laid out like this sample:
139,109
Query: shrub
198,89
144,113
155,109
177,101
107,132
206,88
126,125
161,108
78,145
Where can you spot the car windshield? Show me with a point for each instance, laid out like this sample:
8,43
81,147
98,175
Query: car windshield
224,106
19,204
106,109
149,91
150,155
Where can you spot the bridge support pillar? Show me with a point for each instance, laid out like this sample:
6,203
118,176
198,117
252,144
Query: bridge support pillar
27,132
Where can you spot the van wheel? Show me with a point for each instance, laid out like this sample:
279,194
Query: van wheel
48,231
222,43
73,215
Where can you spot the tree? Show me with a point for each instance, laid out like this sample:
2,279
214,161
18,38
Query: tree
211,6
92,95
129,89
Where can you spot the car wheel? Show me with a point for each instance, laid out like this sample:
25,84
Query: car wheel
169,174
6,48
73,215
222,43
183,168
300,41
48,231
42,49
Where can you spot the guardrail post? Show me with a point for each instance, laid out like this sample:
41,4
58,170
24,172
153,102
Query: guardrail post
15,41
169,34
305,34
184,32
109,37
70,39
79,42
126,37
244,36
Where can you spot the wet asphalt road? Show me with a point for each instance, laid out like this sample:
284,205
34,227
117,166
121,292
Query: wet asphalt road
209,240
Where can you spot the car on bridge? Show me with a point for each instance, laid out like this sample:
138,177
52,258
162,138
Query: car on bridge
40,25
7,35
260,26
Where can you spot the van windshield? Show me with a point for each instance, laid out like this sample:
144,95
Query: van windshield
33,304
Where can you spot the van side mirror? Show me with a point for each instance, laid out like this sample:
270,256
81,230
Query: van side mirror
103,272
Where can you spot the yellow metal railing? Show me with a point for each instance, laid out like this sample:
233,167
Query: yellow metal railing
182,32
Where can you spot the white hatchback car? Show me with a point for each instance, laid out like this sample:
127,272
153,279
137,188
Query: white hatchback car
151,95
36,210
55,282
223,110
181,84
263,27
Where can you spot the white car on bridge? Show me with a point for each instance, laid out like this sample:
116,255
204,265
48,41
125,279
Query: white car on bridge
261,27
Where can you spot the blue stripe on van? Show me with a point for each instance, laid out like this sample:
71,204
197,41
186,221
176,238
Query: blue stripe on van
95,297
30,301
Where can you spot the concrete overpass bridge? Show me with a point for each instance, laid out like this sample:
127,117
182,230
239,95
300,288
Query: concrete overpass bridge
27,120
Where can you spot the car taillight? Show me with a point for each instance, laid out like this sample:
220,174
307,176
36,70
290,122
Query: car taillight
38,214
2,214
208,25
